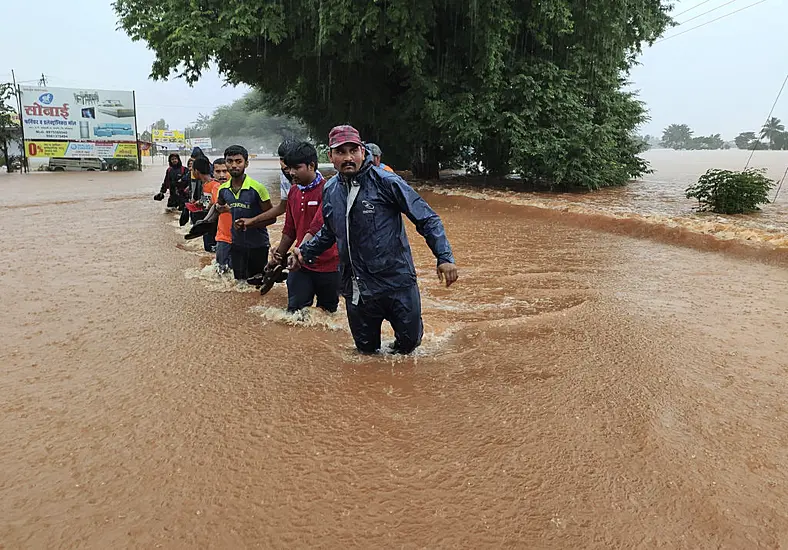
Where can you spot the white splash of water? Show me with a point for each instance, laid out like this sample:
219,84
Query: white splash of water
218,282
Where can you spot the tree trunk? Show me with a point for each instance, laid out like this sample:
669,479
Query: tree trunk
495,157
424,164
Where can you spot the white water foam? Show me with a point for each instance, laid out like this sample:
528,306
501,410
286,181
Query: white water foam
218,282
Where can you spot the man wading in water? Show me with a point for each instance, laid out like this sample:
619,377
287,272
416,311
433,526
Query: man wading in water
247,201
362,213
174,182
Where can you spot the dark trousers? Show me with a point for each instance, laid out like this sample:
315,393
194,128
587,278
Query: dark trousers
223,253
247,261
209,241
401,308
303,285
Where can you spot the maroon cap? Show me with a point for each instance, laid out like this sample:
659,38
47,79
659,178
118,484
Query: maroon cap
343,134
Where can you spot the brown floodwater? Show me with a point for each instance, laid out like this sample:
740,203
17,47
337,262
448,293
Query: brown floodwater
657,203
578,387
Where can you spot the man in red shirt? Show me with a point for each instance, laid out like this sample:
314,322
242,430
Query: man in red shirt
304,218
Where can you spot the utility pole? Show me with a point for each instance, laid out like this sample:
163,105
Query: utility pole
43,80
22,145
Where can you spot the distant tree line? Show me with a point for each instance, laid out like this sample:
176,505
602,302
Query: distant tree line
247,122
680,137
773,132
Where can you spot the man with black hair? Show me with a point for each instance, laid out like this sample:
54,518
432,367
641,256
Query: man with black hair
247,200
362,214
201,172
224,222
303,219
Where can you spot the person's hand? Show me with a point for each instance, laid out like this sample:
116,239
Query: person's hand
295,260
447,272
222,208
272,263
276,256
242,224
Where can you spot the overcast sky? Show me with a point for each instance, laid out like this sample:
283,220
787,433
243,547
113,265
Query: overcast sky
721,78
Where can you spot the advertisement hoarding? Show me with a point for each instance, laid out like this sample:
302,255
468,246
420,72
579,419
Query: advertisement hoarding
201,142
72,149
164,146
167,136
78,114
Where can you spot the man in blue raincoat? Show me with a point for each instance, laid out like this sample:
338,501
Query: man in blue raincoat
362,213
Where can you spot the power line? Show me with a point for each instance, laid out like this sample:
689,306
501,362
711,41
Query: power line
692,8
780,186
706,12
768,118
709,22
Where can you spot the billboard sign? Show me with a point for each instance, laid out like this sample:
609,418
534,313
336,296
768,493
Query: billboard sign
167,136
77,114
201,142
77,149
165,146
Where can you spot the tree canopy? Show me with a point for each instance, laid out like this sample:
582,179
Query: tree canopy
534,87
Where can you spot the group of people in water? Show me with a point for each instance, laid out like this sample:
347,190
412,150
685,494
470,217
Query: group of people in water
342,236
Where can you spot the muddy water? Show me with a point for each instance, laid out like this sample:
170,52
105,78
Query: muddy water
657,202
576,388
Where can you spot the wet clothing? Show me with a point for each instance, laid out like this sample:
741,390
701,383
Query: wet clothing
304,285
321,278
176,183
401,308
249,248
199,209
223,254
303,215
247,261
224,225
284,187
246,204
363,217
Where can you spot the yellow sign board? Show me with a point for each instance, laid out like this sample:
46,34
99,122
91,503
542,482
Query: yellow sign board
168,136
77,149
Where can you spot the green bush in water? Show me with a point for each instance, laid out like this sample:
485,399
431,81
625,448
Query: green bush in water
729,192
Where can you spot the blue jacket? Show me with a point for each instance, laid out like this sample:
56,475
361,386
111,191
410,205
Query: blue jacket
376,252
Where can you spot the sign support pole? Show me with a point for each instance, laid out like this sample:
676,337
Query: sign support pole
137,131
23,146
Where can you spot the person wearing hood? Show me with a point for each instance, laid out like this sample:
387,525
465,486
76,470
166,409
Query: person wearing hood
362,213
175,182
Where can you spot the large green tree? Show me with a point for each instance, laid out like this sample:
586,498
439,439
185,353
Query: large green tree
534,87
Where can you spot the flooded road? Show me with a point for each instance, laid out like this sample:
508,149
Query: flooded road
576,388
